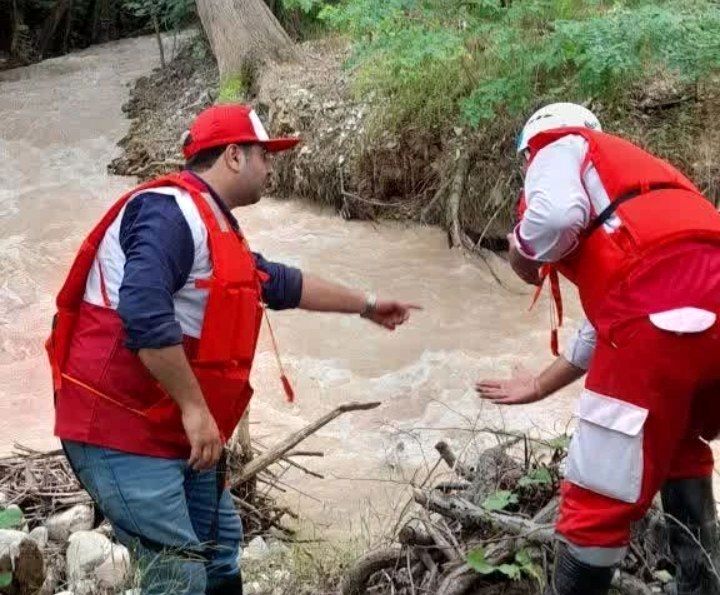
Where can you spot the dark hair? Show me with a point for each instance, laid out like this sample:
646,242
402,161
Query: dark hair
205,159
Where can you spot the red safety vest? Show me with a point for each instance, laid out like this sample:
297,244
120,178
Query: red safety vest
655,204
105,396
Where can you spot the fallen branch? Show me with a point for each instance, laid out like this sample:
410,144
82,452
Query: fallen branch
302,468
279,450
470,515
458,581
355,581
305,453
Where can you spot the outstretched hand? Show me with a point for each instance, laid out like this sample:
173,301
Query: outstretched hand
390,313
521,388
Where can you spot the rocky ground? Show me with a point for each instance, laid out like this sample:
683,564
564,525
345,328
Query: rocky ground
53,539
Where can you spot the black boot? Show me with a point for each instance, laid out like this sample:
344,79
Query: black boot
691,505
229,587
572,577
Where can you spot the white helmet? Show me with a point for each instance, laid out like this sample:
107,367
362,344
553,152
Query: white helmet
556,115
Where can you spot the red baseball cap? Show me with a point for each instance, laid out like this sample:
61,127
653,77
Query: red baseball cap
227,124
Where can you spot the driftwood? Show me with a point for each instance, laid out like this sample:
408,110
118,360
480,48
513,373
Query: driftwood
42,483
355,581
279,450
502,511
469,515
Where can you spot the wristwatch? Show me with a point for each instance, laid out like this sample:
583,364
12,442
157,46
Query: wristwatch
370,304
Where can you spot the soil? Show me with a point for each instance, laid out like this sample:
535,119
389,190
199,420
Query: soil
160,108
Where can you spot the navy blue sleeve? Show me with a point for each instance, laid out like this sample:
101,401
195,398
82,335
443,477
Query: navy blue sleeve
283,289
159,252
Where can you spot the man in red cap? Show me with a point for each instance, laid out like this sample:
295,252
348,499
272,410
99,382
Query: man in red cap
152,346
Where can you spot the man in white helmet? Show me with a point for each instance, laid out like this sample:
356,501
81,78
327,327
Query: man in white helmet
643,247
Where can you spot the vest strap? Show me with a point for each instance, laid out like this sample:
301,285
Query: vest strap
609,211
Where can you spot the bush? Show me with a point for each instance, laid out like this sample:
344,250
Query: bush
439,63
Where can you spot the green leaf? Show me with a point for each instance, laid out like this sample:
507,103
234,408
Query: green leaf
528,567
512,571
11,518
523,558
476,560
5,579
561,442
540,476
500,500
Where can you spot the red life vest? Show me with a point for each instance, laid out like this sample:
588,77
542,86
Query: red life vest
105,396
656,205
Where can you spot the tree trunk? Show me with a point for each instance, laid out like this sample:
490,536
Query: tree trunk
242,32
99,17
18,29
68,27
51,25
158,36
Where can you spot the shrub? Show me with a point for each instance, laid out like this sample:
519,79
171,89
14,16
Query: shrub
467,62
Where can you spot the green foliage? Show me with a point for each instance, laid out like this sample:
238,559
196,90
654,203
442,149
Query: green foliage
11,518
539,476
445,62
560,443
306,6
301,18
233,90
5,579
522,565
500,500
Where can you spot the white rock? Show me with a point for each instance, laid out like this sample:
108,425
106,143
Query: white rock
3,500
40,536
61,526
115,569
10,538
133,592
65,593
87,550
257,549
94,563
254,588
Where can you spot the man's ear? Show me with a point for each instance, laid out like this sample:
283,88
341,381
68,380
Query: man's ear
234,158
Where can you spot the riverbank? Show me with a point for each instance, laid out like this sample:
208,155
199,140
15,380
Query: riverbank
364,172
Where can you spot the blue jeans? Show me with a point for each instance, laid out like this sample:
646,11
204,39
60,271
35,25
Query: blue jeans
164,512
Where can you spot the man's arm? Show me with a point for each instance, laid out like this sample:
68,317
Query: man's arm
287,287
159,252
170,367
558,209
321,295
523,387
